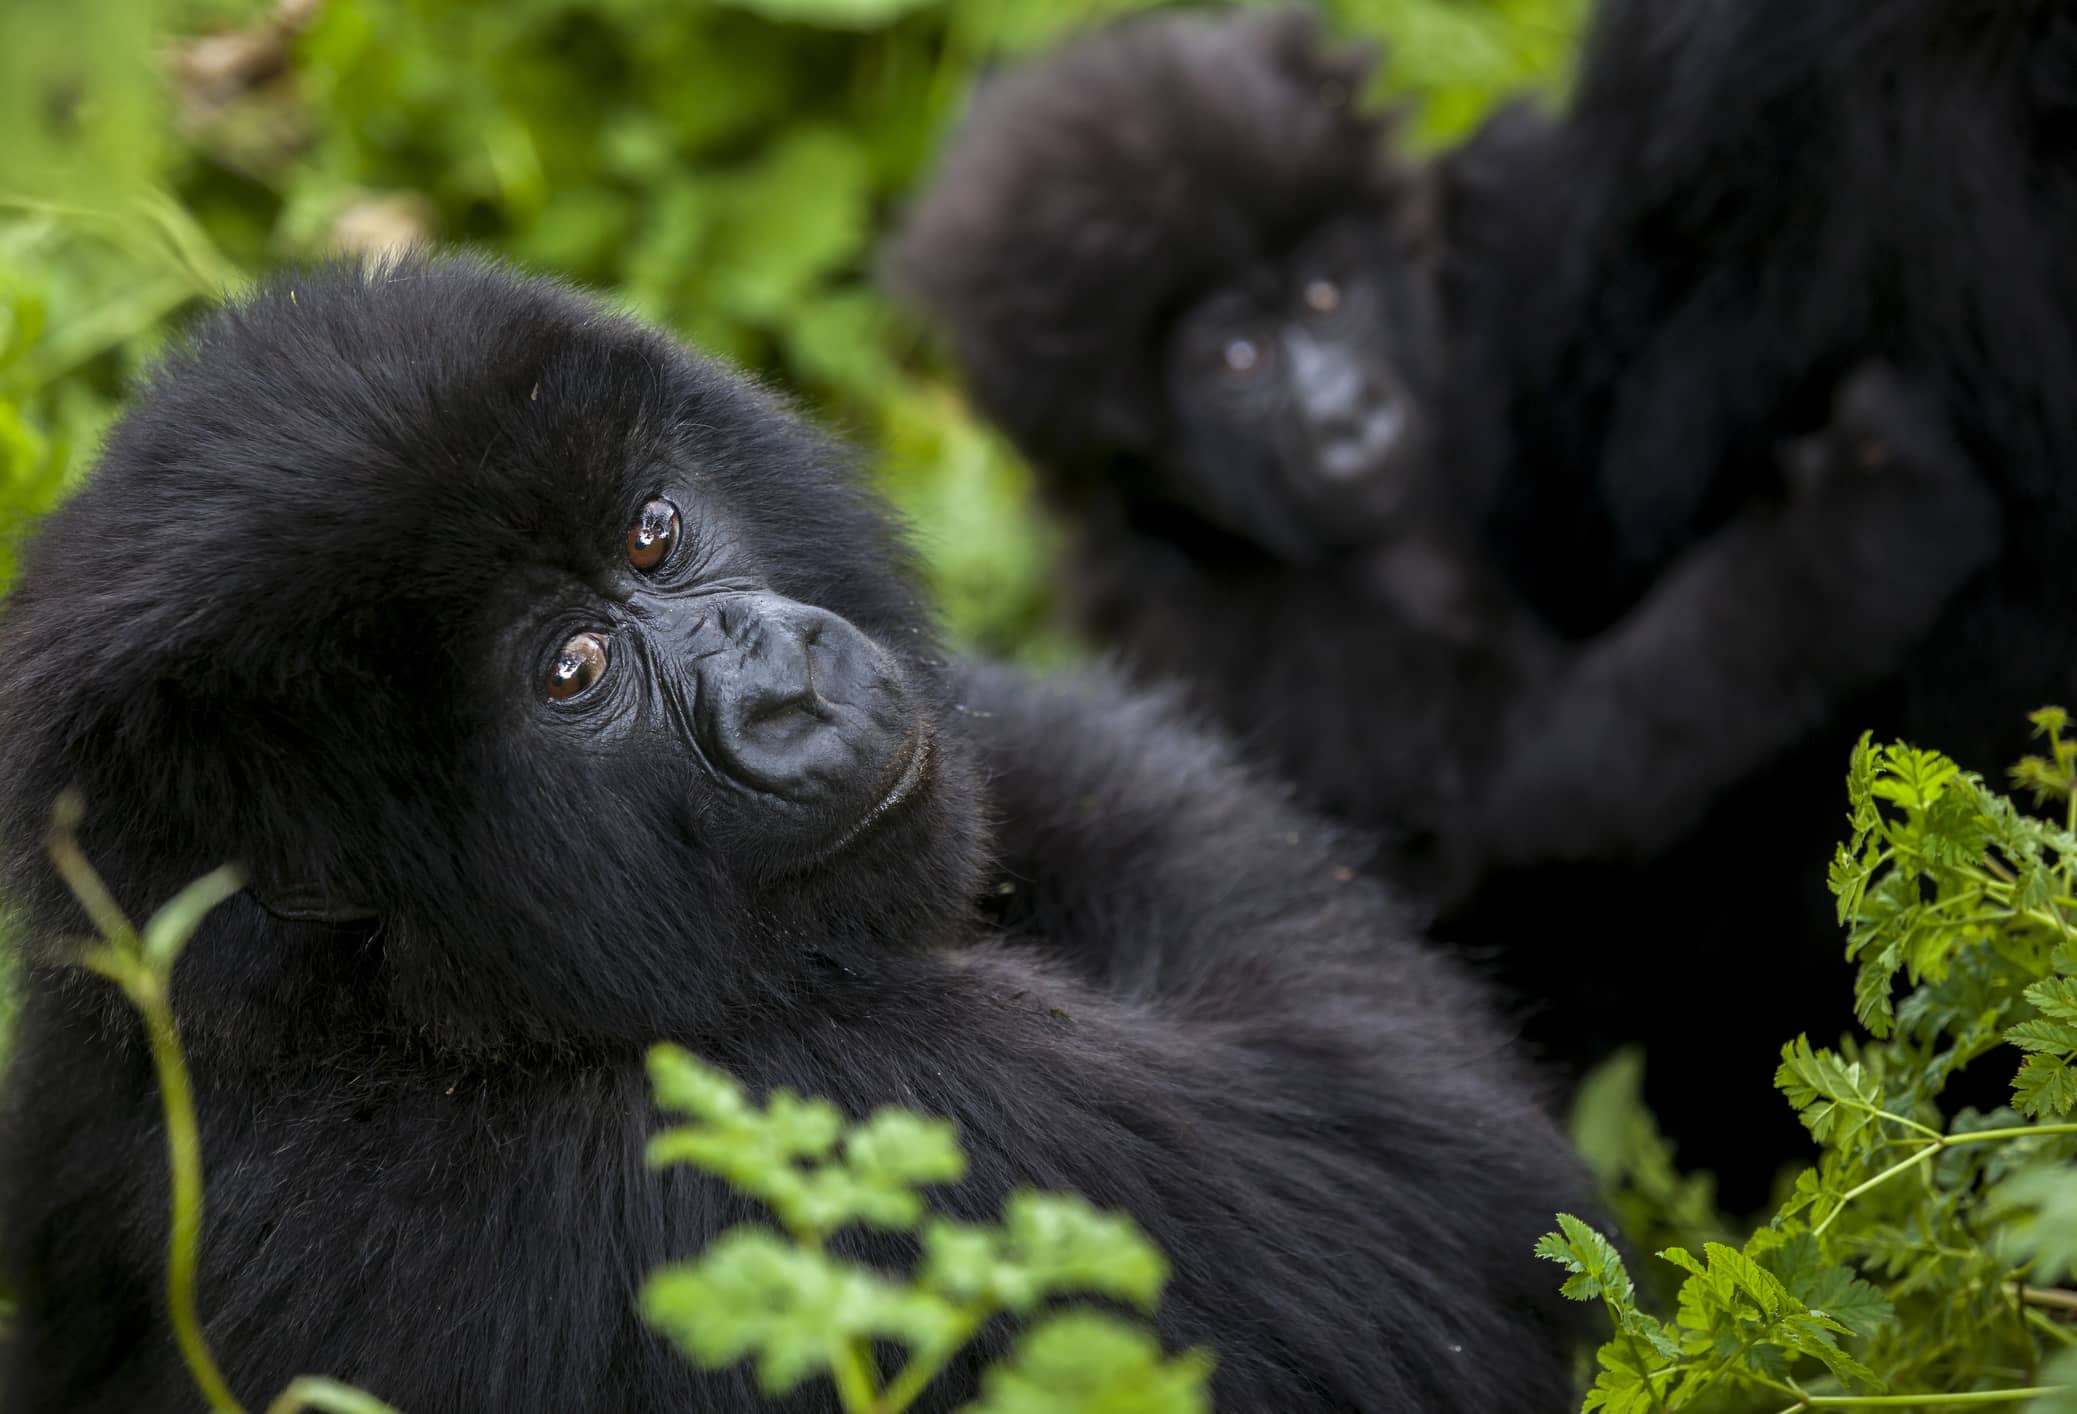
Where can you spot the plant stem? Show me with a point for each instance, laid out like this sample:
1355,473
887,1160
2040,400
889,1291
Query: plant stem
1926,1400
915,1377
1933,1146
184,1153
2017,1131
1902,1165
2052,1296
858,1384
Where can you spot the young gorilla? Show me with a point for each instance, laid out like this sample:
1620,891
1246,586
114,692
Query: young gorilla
1193,284
1258,363
560,693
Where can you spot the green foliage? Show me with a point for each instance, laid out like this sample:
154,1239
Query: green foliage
797,1310
1919,1263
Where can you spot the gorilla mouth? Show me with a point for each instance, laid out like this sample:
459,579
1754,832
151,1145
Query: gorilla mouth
911,774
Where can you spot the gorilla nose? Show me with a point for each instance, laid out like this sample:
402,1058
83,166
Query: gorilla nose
1352,410
798,701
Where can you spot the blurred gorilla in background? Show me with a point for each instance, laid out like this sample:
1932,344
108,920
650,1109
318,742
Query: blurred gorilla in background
1742,202
1260,362
560,693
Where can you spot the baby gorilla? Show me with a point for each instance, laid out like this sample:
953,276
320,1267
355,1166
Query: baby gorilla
560,693
1186,273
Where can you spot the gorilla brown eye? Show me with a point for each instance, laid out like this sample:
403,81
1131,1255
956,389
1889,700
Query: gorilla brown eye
1240,355
649,543
1323,296
581,663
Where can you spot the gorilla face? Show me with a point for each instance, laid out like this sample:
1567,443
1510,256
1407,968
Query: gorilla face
800,733
1300,392
450,603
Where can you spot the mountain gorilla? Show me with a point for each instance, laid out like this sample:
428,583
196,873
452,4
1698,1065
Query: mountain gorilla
558,693
1742,201
1260,362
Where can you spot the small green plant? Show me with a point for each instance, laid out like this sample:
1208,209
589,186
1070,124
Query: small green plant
1918,1265
783,1300
140,963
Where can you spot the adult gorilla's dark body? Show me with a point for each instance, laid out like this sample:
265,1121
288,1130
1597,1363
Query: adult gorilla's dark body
560,694
1261,364
1742,201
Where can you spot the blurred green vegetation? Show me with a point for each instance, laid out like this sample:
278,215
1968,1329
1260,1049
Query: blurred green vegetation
724,166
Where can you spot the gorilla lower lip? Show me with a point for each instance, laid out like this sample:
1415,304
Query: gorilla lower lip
921,754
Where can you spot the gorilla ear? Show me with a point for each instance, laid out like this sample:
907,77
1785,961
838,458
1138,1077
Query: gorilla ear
304,903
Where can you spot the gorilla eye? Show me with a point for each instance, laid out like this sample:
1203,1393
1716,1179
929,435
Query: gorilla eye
1240,355
649,543
1322,296
580,664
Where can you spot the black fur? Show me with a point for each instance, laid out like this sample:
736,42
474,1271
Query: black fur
1744,200
1394,673
297,619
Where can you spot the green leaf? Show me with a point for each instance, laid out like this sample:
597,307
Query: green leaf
169,930
1048,1244
1846,1298
1597,1268
2045,1088
1834,1099
752,1294
1913,778
1083,1363
2043,1035
2056,997
2038,1207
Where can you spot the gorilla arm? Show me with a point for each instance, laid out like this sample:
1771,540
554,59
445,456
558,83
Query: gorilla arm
1748,644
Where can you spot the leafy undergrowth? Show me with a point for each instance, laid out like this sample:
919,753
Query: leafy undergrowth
1922,1263
782,1299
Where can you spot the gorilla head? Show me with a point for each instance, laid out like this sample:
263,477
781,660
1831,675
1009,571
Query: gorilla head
1180,266
602,589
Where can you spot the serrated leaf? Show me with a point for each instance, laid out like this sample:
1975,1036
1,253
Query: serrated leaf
2045,1088
1621,1384
1913,778
2059,1037
2055,996
1752,1280
1837,1292
1833,1098
1597,1268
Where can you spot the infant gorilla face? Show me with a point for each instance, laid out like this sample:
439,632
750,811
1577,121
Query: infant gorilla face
1298,392
799,728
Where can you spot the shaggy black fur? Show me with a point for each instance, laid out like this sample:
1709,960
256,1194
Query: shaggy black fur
1744,200
1095,200
302,618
